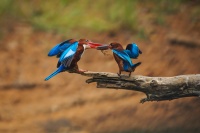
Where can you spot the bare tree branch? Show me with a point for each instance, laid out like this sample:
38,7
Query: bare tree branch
156,88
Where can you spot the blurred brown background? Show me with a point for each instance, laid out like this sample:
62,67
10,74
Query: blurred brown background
168,33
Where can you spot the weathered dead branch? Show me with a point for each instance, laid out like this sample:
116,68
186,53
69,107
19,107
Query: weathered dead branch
156,88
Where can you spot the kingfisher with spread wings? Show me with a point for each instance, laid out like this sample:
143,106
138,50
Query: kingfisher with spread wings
69,53
123,57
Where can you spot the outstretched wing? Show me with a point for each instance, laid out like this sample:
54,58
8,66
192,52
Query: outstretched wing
132,50
68,55
59,48
124,56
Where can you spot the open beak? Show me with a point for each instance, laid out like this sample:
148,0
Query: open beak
103,47
94,45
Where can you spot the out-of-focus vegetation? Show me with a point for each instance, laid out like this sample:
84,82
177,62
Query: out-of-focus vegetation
100,15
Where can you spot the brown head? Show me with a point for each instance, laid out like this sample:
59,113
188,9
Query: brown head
115,45
83,41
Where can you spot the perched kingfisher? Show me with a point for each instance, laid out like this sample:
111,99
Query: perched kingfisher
70,52
123,57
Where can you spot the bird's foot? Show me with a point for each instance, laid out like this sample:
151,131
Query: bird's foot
82,71
119,74
129,74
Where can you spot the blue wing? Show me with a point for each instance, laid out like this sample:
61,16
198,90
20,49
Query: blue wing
126,66
132,50
59,48
124,56
68,55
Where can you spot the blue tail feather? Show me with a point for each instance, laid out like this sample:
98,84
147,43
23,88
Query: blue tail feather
129,68
60,69
135,65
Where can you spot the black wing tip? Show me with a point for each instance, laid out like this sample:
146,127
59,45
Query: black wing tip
140,51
